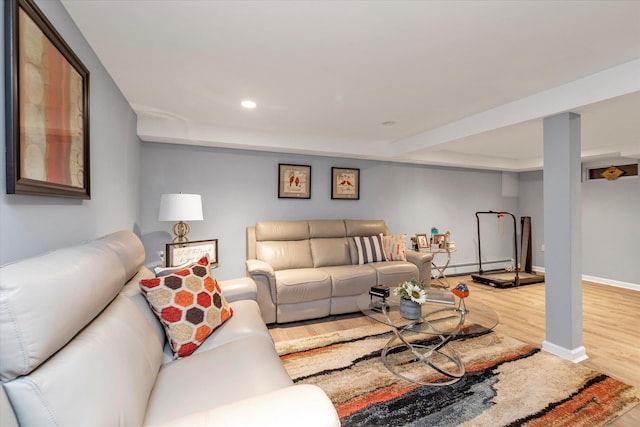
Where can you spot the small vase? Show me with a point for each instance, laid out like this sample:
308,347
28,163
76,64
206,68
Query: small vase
409,309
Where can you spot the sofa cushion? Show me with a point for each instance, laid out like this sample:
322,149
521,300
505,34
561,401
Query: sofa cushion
302,285
394,247
319,228
281,230
285,255
365,227
246,321
190,305
40,301
129,248
391,273
103,377
302,404
369,249
237,370
328,252
349,280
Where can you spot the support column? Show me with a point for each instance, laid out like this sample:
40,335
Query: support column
562,237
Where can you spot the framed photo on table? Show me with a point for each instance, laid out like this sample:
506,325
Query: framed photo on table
184,252
440,240
345,184
294,181
47,108
423,242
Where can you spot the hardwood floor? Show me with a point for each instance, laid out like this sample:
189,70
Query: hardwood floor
611,326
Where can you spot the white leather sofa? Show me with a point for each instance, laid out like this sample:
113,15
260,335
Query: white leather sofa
309,269
79,345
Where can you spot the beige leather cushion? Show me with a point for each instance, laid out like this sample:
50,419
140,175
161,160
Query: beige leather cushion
391,273
349,280
302,285
239,369
129,248
46,300
284,407
7,416
281,230
132,290
102,378
365,227
246,321
285,255
327,252
327,228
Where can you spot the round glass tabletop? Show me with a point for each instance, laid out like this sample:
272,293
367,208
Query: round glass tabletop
461,318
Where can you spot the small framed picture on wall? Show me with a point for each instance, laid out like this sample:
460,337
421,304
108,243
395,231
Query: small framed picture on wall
345,184
294,181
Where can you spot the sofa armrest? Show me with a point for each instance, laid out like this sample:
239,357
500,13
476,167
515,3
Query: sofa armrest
298,405
265,277
239,289
422,260
256,266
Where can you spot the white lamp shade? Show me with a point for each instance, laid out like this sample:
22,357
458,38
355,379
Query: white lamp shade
180,207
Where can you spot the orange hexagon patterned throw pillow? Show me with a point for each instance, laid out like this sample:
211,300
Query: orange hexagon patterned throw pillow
189,304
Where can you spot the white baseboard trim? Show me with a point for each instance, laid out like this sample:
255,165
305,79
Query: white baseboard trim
472,268
601,280
575,355
609,282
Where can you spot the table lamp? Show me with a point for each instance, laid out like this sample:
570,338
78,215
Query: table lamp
180,207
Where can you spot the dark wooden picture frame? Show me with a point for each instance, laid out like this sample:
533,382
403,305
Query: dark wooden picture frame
345,183
184,252
294,181
47,108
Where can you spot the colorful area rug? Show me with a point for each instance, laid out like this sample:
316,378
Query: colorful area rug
507,383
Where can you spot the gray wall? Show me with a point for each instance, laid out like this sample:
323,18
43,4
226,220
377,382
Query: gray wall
611,229
531,203
31,225
240,187
610,226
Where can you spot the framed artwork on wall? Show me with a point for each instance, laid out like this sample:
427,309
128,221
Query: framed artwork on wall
345,184
294,181
47,108
184,252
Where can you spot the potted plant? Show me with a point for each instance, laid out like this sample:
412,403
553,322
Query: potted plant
412,294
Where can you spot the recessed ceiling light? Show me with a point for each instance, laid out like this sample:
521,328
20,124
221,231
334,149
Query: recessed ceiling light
249,104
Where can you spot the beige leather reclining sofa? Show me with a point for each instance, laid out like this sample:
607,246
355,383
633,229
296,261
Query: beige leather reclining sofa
310,269
79,346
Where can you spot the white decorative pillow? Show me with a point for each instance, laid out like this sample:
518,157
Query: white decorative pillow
369,249
394,247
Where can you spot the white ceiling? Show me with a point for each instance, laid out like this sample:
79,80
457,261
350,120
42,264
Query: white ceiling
465,83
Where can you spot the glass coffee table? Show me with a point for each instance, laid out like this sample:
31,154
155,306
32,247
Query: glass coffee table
420,350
